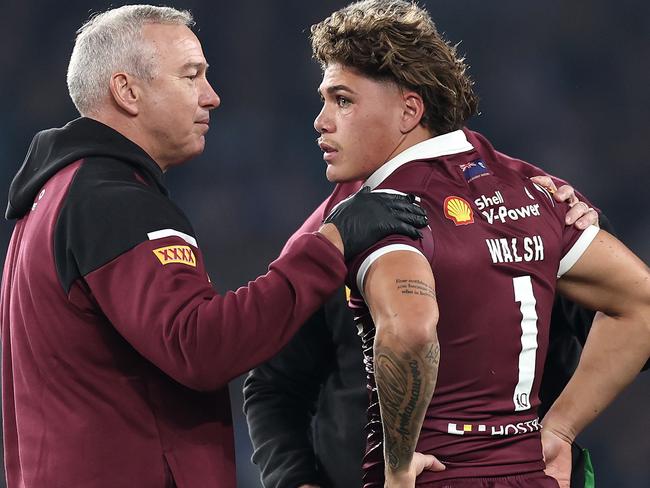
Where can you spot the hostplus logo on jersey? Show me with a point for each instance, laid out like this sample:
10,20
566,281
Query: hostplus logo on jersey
503,429
493,208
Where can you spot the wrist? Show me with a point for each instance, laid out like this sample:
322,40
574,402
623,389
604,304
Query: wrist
399,478
553,424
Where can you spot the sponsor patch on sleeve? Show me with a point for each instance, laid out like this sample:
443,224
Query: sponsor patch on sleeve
175,254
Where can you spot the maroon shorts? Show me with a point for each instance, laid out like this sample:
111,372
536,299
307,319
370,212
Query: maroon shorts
529,480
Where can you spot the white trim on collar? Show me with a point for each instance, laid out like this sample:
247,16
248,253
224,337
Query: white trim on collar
444,145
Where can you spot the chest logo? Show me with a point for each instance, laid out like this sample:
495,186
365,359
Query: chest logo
176,254
458,210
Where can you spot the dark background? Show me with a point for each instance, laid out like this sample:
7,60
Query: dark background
562,84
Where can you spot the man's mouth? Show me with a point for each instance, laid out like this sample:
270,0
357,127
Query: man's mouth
329,151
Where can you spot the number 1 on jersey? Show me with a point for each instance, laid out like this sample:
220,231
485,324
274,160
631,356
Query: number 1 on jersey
524,295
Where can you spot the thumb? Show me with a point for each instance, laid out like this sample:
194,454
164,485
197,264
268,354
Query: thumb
431,463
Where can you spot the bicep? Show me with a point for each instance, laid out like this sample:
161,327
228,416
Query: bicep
607,277
399,289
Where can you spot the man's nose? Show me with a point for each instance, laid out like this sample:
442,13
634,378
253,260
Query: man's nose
209,98
323,123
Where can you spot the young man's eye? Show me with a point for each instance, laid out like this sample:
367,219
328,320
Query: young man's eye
342,101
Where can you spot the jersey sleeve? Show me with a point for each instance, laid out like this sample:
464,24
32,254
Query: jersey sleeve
137,256
358,267
575,244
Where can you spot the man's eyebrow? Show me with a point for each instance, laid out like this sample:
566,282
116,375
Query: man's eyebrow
336,88
197,66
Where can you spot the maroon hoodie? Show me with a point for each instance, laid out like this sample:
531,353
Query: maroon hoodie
116,350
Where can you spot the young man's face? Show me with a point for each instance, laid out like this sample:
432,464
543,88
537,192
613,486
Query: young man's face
175,105
359,124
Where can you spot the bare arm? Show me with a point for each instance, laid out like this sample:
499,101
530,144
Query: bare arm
610,278
399,291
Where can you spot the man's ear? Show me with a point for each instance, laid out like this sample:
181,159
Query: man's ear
413,111
125,91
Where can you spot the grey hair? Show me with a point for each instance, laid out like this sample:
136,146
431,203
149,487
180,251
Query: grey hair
110,42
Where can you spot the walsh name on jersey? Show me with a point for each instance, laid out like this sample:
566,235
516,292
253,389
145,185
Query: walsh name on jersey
516,249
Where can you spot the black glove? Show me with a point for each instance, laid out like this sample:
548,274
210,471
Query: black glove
365,218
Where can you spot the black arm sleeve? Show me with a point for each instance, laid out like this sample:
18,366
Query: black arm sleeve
280,398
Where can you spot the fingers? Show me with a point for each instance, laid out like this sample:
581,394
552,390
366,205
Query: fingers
581,215
590,218
428,462
401,202
411,218
546,182
566,194
404,205
407,230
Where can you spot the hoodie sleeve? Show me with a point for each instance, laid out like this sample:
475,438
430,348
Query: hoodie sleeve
136,254
280,398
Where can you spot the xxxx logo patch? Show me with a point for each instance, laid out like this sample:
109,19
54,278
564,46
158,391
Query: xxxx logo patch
175,254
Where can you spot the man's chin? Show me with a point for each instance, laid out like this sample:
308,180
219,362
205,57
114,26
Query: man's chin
334,175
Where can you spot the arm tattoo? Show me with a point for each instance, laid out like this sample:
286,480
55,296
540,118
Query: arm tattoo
415,288
405,384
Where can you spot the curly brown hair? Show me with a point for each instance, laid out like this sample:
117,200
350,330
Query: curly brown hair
397,40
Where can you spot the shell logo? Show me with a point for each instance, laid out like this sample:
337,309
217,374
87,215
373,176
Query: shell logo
458,210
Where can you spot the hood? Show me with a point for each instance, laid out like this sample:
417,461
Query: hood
53,149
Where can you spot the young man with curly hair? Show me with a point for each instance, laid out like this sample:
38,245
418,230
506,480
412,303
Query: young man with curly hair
455,326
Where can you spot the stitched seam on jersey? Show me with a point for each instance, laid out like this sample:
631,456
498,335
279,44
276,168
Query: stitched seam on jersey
159,234
444,145
580,246
365,265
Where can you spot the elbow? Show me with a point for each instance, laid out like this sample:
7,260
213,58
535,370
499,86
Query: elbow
411,334
199,379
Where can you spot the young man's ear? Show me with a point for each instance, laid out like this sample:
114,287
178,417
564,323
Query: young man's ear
413,111
125,92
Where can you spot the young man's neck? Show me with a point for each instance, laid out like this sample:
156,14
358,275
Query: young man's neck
416,136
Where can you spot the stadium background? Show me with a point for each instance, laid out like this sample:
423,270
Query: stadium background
562,84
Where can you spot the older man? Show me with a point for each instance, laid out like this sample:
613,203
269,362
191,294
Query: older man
116,350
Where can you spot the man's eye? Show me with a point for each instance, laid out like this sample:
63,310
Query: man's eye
342,101
191,77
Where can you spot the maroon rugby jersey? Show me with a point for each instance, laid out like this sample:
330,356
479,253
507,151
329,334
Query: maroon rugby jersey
497,243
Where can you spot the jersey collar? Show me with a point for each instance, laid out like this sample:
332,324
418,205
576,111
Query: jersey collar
443,145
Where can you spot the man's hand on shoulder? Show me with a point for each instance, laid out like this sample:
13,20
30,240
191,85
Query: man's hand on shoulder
367,217
580,214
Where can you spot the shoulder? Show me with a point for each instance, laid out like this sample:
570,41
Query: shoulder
110,209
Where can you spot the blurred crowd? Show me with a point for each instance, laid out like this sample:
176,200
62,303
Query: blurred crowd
562,85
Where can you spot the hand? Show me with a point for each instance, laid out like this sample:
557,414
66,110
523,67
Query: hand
367,217
557,455
406,479
580,214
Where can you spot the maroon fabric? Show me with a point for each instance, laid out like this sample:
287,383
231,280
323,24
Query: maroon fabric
124,379
480,321
532,480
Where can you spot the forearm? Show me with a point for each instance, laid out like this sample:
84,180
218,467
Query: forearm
615,352
406,375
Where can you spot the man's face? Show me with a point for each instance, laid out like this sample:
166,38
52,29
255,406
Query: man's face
175,106
359,124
